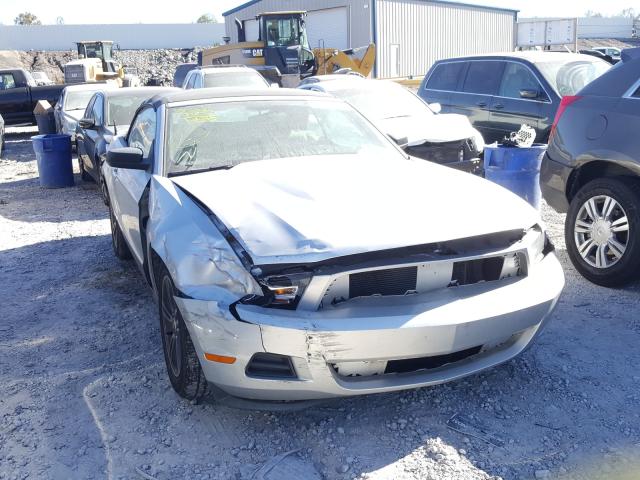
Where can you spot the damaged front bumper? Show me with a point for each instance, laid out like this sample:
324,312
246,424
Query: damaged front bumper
372,345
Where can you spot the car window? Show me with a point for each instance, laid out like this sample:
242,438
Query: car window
517,78
143,131
637,93
96,111
122,108
7,81
78,100
445,76
225,134
246,79
569,77
483,77
191,78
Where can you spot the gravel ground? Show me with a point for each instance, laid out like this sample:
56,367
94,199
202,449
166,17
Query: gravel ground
83,390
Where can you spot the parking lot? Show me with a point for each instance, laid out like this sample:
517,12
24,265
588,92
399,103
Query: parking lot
85,392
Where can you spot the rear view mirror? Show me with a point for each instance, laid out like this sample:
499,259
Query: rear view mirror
87,123
126,157
435,107
529,94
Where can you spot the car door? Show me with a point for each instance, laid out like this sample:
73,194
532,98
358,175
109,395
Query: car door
520,100
81,134
441,82
15,101
92,135
128,185
480,85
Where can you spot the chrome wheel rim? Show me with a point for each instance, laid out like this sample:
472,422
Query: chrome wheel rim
601,231
171,328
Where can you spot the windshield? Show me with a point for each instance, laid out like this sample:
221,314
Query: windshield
78,100
120,109
383,101
283,32
234,79
569,78
222,135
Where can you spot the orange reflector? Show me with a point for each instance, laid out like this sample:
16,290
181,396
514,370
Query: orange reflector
219,358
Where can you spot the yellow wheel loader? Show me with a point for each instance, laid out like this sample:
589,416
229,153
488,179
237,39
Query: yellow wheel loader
276,44
95,63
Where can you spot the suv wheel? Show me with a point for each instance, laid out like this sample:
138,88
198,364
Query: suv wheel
602,230
120,247
183,366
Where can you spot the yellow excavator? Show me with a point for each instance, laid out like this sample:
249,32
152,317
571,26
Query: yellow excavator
281,51
95,63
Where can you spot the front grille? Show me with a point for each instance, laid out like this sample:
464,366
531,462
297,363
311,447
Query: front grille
426,363
474,271
74,74
270,366
394,281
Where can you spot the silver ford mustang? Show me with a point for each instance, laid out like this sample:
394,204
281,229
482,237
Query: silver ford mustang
297,253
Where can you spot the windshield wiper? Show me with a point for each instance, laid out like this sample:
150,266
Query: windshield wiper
200,170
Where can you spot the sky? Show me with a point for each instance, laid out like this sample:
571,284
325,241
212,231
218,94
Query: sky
187,11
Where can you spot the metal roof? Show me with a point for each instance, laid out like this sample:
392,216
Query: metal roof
445,2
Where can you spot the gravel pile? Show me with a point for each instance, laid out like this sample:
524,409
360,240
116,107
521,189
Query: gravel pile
154,67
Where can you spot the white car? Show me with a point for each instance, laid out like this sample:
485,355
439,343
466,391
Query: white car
447,138
297,253
72,104
224,76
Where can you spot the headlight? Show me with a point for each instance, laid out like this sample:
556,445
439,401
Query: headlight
479,140
538,244
285,290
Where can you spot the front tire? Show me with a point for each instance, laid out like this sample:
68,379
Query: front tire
120,247
602,231
181,359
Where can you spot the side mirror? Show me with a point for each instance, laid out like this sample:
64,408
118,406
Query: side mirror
402,142
87,123
435,107
126,157
529,94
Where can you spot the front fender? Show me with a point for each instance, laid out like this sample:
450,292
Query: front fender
200,261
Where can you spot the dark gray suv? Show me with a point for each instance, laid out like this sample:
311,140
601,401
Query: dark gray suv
592,171
501,92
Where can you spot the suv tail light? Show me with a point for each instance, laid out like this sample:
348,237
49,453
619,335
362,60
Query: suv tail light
564,104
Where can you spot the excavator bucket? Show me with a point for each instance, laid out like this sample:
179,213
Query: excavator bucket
330,60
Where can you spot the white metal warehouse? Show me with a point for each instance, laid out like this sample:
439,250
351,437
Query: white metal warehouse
409,34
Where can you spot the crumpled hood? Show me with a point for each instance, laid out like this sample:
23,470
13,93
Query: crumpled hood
445,127
315,208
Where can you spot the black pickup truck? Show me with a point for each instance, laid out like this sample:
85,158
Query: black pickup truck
19,95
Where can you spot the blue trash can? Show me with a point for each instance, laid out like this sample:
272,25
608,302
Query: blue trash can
53,153
517,169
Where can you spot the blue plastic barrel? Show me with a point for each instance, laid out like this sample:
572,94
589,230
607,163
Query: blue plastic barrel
53,153
516,169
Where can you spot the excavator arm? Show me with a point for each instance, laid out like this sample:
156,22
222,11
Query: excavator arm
329,60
